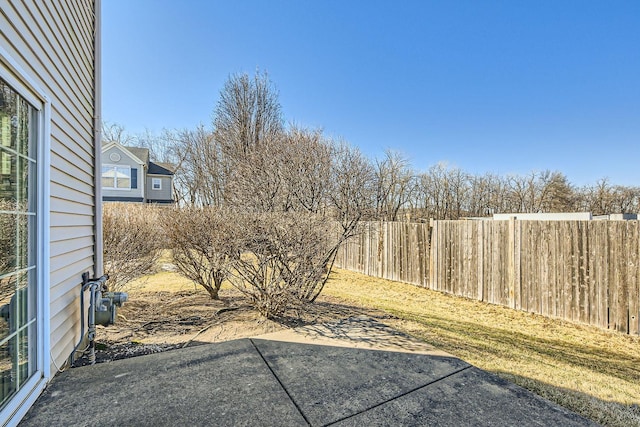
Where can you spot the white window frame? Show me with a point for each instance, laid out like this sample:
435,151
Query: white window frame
12,73
153,183
111,166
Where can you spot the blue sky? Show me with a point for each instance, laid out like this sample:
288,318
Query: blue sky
488,86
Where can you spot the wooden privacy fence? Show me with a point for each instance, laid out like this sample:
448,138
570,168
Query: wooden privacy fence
584,271
391,250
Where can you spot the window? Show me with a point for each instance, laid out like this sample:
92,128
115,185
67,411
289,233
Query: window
156,183
18,241
116,177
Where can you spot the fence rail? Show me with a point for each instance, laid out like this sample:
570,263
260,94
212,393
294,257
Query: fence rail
584,271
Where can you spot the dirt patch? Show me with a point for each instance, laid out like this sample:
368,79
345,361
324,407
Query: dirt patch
158,318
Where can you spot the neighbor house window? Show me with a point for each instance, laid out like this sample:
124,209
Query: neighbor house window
156,183
116,177
18,241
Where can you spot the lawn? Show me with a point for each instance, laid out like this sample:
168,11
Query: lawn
593,372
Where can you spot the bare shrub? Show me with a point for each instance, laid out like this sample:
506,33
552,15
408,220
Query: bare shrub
255,182
285,260
306,169
205,244
132,241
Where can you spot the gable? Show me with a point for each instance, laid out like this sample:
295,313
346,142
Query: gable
128,155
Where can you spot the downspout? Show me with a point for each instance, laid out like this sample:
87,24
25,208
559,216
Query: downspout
97,142
97,168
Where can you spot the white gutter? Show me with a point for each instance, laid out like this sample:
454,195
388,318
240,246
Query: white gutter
97,139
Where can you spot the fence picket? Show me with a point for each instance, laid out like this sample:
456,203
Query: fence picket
586,271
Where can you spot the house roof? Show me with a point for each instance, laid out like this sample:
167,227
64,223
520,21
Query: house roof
161,168
139,152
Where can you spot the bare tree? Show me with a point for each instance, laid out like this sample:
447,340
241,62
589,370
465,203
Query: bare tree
445,192
457,201
524,193
160,146
116,132
394,185
237,164
352,194
132,242
200,171
248,112
544,191
486,195
603,198
627,199
434,187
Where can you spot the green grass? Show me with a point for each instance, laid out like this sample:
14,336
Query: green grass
593,372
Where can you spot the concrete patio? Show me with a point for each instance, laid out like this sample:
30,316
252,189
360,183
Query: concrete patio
354,372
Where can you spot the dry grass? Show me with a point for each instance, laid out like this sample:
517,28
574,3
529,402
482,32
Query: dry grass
590,371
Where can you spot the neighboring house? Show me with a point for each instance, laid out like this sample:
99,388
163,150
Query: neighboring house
129,176
543,216
50,207
564,216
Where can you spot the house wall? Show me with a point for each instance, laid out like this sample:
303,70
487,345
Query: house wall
617,217
54,44
552,216
125,160
164,194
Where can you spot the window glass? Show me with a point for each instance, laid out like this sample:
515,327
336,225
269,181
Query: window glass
123,177
18,240
116,177
108,177
156,184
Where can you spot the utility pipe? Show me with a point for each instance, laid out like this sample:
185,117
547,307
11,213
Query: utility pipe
95,287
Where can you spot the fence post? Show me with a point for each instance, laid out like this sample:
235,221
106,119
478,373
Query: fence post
517,258
480,259
511,259
433,256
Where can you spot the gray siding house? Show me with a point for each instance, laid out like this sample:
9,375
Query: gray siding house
129,176
50,206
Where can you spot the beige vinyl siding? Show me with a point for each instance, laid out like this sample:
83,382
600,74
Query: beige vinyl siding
53,42
165,188
68,186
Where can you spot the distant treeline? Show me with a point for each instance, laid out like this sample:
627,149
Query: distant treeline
249,158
